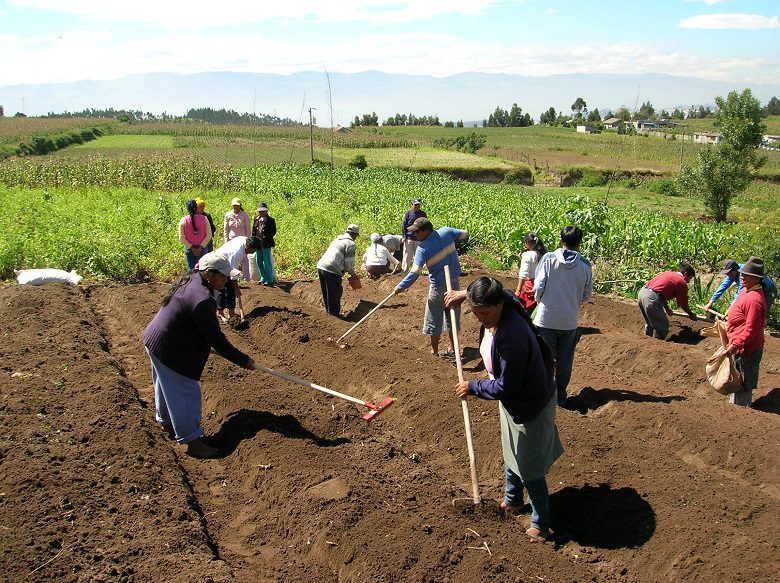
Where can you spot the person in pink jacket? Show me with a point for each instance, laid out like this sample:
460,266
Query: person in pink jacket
238,224
746,321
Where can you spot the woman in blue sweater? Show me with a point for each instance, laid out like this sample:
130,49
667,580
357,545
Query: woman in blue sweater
178,341
520,367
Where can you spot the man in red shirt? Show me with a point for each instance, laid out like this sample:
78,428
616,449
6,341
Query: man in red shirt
653,298
746,321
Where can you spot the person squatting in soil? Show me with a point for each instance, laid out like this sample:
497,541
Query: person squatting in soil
436,249
377,260
410,242
394,244
520,368
745,331
237,224
200,205
178,341
264,227
731,271
653,298
338,259
563,281
235,252
529,260
194,233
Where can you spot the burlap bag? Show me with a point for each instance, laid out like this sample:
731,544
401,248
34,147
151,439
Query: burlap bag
722,373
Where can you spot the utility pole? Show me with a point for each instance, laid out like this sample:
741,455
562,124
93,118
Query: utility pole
682,146
311,133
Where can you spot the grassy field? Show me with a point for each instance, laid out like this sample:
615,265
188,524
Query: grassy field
17,129
123,142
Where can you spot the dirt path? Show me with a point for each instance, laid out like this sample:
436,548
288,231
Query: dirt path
661,479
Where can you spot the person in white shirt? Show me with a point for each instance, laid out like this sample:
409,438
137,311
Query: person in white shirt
377,260
534,251
235,252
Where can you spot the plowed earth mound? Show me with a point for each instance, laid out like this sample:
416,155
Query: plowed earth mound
662,479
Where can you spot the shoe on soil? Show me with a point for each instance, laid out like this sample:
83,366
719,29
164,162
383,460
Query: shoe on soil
539,536
511,508
200,450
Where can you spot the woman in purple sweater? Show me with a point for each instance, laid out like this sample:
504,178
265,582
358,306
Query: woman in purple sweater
520,367
178,341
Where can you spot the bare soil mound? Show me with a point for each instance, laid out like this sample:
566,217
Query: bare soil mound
662,479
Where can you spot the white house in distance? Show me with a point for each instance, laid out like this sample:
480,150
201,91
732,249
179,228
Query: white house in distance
613,123
588,130
707,138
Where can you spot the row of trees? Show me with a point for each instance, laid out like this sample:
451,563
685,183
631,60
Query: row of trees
203,114
402,119
514,118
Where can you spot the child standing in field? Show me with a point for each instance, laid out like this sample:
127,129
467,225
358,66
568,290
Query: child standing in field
534,250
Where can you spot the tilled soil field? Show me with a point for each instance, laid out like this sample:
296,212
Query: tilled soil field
662,479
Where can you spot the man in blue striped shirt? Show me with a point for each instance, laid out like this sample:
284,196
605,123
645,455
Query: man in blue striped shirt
436,249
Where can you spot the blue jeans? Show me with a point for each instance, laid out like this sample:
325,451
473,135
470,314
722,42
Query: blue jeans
538,497
562,343
191,258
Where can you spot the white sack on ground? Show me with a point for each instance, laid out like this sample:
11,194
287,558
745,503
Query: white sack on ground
48,275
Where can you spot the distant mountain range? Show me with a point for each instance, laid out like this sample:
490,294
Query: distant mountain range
467,96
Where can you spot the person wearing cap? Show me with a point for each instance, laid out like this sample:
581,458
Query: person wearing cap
194,233
178,341
264,227
731,271
338,259
200,205
409,241
235,252
237,224
377,259
653,298
436,249
745,330
562,282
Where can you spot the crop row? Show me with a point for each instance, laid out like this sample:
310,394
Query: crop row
114,220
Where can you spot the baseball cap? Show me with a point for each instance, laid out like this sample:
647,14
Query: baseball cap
353,229
729,265
217,262
416,201
236,201
262,207
421,224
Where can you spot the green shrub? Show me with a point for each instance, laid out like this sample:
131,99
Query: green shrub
520,175
358,162
665,186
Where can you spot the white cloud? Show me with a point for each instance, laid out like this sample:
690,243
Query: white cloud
202,14
72,57
730,21
708,2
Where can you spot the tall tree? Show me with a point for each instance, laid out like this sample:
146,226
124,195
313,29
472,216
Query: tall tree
646,111
772,106
623,114
579,106
2,111
725,170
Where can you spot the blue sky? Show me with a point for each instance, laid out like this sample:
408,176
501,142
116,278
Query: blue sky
45,41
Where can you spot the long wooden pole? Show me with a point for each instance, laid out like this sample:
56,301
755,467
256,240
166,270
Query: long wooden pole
296,380
364,318
463,402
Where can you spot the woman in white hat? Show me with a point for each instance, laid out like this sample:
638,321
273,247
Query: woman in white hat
178,342
237,224
338,259
377,259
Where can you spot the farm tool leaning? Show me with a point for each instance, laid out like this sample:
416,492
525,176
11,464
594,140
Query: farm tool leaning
373,410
